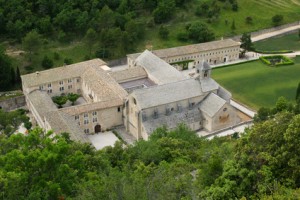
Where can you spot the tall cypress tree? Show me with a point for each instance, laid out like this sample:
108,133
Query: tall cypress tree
298,92
18,76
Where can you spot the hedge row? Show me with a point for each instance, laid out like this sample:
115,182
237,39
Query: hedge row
273,52
286,60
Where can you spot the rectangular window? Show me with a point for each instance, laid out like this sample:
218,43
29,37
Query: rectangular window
49,91
78,80
69,87
76,117
86,121
87,131
119,109
94,113
95,120
61,82
41,87
69,80
85,114
49,85
61,88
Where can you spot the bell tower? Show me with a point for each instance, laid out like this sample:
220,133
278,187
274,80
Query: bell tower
204,70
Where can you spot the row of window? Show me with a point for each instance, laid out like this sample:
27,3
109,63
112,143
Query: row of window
197,56
61,88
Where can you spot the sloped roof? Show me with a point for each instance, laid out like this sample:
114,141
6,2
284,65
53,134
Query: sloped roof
224,94
195,48
203,66
208,84
131,73
212,104
61,122
59,73
167,93
103,85
158,70
42,102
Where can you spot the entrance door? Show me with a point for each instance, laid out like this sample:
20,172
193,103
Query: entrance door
97,128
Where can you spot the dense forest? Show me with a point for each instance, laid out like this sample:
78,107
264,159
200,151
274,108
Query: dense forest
262,164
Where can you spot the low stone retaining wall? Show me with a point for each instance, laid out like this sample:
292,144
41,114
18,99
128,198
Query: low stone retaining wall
13,103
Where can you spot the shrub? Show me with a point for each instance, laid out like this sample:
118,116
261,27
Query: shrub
56,56
277,19
47,63
68,61
284,60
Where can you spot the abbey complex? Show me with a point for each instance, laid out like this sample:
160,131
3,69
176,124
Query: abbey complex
149,93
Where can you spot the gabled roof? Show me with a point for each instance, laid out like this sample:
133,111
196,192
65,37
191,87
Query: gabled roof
61,122
42,102
59,73
103,85
167,93
158,70
203,66
195,48
131,73
212,104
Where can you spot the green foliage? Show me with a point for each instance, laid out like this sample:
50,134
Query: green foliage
32,42
7,78
246,43
68,61
277,60
273,52
199,32
163,32
73,97
47,63
277,19
233,27
10,121
164,11
90,38
298,92
60,100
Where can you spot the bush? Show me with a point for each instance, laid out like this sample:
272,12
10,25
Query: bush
163,32
182,36
68,61
277,19
47,63
56,56
273,52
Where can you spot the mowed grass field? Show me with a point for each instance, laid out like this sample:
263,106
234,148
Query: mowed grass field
258,85
286,42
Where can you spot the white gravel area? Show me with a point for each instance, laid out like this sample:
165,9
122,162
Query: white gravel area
101,140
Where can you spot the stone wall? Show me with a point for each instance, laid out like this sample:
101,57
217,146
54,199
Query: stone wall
13,103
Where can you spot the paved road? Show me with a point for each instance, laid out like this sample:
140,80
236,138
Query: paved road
274,33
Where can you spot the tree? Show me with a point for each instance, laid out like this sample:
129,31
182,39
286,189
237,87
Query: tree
163,32
5,71
233,26
13,76
277,19
164,11
47,63
246,43
90,38
32,42
73,97
249,20
18,76
298,92
60,100
199,32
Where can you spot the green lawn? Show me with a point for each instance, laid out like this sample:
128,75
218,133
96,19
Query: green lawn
256,84
286,42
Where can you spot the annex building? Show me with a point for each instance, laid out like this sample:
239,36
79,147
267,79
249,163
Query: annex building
187,57
146,95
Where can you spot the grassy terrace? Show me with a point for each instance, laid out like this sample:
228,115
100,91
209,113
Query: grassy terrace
286,42
256,84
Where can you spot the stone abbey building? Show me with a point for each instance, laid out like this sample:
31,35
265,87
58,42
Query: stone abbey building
148,94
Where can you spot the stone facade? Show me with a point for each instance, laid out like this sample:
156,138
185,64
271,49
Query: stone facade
148,94
215,52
